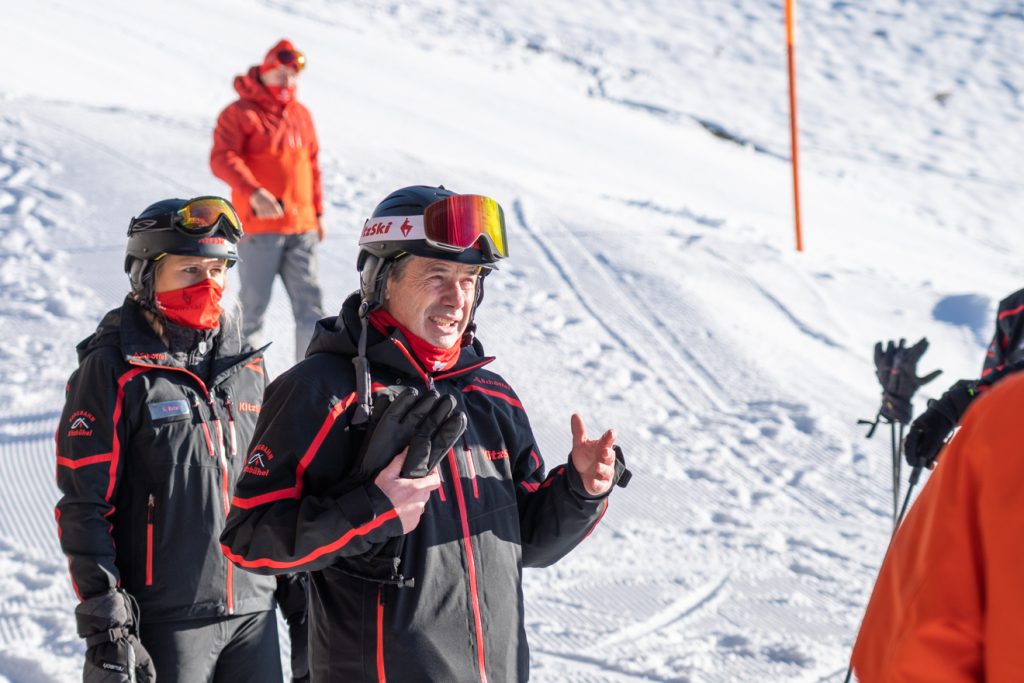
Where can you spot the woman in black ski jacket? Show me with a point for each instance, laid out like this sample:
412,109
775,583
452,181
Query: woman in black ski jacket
149,446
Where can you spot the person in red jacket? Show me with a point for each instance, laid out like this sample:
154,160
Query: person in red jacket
265,148
947,603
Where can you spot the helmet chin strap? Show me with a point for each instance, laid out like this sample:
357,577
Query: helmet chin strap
470,333
371,301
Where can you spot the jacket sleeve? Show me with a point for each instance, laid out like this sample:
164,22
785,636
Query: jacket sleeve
1009,334
555,511
946,606
227,160
314,162
281,520
994,356
90,436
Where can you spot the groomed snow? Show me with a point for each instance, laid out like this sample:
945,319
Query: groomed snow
640,150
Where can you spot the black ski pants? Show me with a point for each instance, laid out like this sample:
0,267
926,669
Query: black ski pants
215,650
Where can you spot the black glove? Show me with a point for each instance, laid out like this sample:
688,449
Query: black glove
896,370
434,437
929,432
291,598
424,424
109,624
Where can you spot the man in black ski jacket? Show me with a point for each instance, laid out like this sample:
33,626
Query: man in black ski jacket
416,516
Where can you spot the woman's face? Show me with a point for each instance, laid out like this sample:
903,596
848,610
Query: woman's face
177,272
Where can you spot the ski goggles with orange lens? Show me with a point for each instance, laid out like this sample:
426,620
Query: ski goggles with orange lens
292,59
462,221
200,217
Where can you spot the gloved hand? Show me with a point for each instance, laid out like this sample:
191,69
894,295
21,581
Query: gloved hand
428,425
291,598
109,624
434,437
929,432
896,370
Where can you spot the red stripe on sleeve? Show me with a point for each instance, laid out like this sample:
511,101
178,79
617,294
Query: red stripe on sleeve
300,469
339,408
116,447
1012,311
82,462
322,550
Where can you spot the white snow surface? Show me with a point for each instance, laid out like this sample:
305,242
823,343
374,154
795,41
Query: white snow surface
640,150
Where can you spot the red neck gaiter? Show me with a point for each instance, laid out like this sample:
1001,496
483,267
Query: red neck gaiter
281,93
197,306
433,358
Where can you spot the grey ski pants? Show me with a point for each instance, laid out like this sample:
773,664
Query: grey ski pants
215,649
264,257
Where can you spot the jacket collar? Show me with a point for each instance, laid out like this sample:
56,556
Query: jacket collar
127,329
250,87
339,334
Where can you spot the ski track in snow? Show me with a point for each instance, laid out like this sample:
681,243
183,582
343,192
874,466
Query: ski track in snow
757,470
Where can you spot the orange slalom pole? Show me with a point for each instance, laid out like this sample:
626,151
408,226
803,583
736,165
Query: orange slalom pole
793,134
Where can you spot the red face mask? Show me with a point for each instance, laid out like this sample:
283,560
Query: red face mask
281,93
197,306
433,358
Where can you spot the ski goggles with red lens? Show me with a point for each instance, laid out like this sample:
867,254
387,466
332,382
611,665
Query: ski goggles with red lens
200,217
462,221
292,59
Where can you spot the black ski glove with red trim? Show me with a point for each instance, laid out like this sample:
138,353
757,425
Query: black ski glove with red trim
896,370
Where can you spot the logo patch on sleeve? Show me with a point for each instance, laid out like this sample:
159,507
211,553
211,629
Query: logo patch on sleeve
166,409
80,423
258,462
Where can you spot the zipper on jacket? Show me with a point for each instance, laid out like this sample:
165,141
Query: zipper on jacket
216,421
231,424
149,539
472,468
380,635
440,489
225,493
206,428
470,566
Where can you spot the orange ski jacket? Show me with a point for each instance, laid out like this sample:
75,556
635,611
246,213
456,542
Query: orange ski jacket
259,142
948,603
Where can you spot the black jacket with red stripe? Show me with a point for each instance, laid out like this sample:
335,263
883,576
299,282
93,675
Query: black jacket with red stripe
147,455
496,512
1007,345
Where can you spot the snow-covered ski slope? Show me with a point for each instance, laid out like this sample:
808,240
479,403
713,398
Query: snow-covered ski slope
640,151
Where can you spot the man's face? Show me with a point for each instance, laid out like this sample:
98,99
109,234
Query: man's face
433,299
280,76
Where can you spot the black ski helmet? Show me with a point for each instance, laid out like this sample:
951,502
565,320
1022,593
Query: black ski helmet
375,256
157,231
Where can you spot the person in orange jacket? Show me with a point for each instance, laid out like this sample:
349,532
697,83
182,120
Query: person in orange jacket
949,597
265,148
